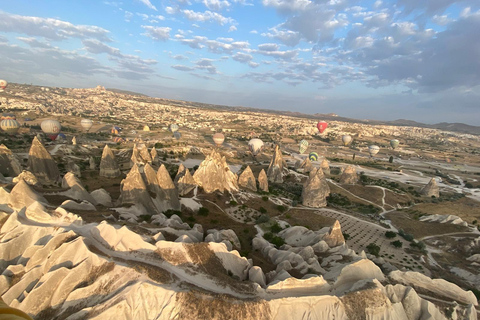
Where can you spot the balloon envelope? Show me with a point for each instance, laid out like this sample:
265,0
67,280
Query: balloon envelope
86,124
394,143
313,156
118,139
10,126
173,127
177,135
346,139
322,125
51,128
373,150
61,136
9,116
218,138
115,130
3,85
255,146
303,146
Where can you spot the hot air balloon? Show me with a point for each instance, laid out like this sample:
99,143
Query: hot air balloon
303,146
177,135
3,85
255,146
116,130
146,128
61,136
313,156
394,143
10,126
118,140
346,139
322,125
86,124
173,127
51,128
218,138
373,150
8,116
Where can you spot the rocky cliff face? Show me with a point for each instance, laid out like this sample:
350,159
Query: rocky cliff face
133,190
349,175
315,190
275,169
325,166
42,165
431,189
9,164
184,181
108,164
76,190
306,165
247,180
214,174
263,181
169,190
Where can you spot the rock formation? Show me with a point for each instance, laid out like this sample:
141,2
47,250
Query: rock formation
185,182
334,237
306,165
144,153
247,180
315,190
325,166
349,175
154,154
74,141
22,195
133,190
162,199
102,197
275,169
9,164
108,164
214,174
170,191
263,181
136,157
28,177
91,162
431,189
73,167
42,165
76,190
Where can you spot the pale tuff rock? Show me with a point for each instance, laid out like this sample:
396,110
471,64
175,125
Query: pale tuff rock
360,270
444,218
166,184
256,275
214,174
263,181
91,162
154,154
181,169
22,195
108,164
275,169
306,165
82,206
9,164
42,165
349,175
136,157
228,237
431,189
74,141
134,191
160,198
144,153
73,167
76,190
315,190
325,166
102,197
185,182
28,177
247,180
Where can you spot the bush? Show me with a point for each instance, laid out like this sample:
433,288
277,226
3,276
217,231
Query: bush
275,228
262,210
265,198
372,248
418,245
203,211
281,208
346,236
171,212
397,243
405,236
233,203
390,234
262,219
145,217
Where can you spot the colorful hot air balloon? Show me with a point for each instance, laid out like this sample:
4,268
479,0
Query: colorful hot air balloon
394,143
118,140
255,146
51,128
146,128
373,150
177,135
3,85
116,130
218,138
61,136
313,156
8,116
173,127
10,126
322,125
86,124
303,146
346,139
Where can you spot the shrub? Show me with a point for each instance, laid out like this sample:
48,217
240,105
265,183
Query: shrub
277,241
397,243
390,234
265,198
171,212
346,236
405,236
262,210
419,245
145,217
262,219
281,208
276,228
372,248
203,211
233,203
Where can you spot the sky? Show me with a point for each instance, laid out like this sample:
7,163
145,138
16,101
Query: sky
382,60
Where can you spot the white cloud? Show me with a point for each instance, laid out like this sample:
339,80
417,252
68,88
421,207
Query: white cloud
441,20
268,47
242,57
170,10
232,28
287,5
288,37
128,16
216,5
148,4
157,33
207,16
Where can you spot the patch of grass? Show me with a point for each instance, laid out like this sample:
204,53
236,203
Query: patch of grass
265,198
203,211
262,210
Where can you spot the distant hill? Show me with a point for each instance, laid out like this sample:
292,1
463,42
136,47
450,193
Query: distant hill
457,127
126,92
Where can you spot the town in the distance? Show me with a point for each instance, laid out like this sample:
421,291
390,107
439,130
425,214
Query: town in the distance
117,205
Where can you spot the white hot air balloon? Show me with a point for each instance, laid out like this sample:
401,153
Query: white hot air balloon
373,150
346,139
10,126
3,85
86,124
255,146
394,143
51,128
218,138
303,146
173,127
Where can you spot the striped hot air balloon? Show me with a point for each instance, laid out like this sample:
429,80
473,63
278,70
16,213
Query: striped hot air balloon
10,126
303,146
218,138
313,156
373,150
8,116
255,146
346,139
86,124
118,139
51,128
115,130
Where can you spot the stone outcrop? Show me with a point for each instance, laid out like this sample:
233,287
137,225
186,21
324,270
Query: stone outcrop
315,190
161,199
263,181
306,165
133,190
22,195
325,166
154,154
42,165
214,174
73,167
74,141
91,162
76,190
9,164
334,237
349,175
275,169
170,191
431,189
108,165
28,177
184,181
144,153
135,158
247,180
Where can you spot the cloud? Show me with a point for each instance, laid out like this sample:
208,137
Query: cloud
157,33
148,4
49,28
232,28
242,57
128,16
221,45
207,16
288,37
34,43
287,5
216,5
206,64
268,47
182,68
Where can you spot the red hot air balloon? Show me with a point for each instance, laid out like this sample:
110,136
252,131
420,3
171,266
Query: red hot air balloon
322,125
